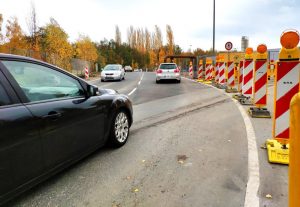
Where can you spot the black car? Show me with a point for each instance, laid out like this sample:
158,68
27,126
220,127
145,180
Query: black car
50,119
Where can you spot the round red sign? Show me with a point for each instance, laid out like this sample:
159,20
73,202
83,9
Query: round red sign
228,45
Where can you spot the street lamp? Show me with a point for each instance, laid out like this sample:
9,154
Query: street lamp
214,7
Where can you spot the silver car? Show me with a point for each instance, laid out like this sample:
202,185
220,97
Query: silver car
112,72
168,71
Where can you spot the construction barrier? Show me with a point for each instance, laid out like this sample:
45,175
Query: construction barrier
217,72
246,96
191,72
286,86
230,74
208,71
260,80
222,78
240,75
200,70
86,73
294,166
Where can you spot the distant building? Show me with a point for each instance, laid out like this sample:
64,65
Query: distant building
244,43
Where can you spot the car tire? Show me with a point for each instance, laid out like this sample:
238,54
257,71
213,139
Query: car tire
119,132
157,81
102,80
178,81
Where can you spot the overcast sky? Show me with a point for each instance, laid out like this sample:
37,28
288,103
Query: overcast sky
262,21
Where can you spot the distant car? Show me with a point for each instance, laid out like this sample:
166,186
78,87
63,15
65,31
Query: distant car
136,70
168,71
113,72
128,68
49,119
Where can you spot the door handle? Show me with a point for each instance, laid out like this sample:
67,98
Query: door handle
53,115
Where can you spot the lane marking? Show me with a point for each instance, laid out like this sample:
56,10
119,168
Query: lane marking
251,197
132,92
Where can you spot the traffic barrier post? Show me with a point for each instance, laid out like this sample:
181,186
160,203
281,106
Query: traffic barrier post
260,80
286,86
86,73
230,83
222,78
200,71
294,165
208,71
191,71
246,97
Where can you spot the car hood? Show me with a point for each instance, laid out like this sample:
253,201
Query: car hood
111,71
108,91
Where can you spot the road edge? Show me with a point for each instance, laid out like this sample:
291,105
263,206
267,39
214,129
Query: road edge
251,197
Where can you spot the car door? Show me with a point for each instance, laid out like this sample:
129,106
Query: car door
20,143
70,123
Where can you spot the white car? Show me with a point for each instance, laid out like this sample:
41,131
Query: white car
168,71
112,72
128,68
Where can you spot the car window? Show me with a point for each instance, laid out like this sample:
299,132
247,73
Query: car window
4,98
42,83
168,66
112,67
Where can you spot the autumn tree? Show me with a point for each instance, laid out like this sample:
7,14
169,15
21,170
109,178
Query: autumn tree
1,35
170,40
157,42
58,50
34,36
118,39
15,42
85,49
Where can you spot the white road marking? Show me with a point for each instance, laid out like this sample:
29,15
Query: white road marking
132,92
251,197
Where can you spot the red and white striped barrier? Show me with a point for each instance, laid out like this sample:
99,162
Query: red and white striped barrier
287,85
260,83
217,72
191,72
230,70
247,78
212,68
240,76
208,72
86,73
222,73
200,71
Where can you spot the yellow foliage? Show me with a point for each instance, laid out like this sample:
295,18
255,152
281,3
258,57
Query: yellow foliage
85,49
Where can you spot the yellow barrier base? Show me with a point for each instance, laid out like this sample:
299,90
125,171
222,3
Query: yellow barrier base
231,90
277,153
207,82
200,80
256,112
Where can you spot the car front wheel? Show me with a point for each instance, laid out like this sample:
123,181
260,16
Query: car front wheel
119,130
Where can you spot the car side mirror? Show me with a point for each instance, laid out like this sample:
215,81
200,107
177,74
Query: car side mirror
92,90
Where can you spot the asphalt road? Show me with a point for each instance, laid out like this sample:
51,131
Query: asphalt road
187,147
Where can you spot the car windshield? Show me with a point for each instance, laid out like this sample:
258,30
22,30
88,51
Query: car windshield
111,67
167,66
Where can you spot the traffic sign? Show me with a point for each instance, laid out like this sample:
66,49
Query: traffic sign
228,45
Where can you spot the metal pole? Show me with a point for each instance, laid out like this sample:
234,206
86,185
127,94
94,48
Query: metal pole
214,7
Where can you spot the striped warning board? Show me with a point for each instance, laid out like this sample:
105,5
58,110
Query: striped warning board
240,75
191,72
208,72
260,83
200,71
217,72
86,73
230,71
287,85
247,78
222,73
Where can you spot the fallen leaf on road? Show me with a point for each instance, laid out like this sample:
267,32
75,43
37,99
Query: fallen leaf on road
181,158
116,205
268,196
128,177
143,161
229,140
135,190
